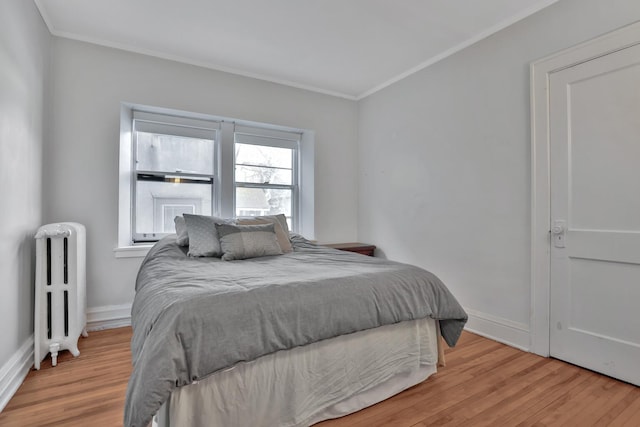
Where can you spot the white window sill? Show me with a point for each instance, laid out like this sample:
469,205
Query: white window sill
137,251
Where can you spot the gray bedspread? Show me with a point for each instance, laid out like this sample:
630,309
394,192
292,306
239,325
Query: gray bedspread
194,316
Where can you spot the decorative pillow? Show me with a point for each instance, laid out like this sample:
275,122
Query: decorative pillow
182,238
247,241
281,228
203,236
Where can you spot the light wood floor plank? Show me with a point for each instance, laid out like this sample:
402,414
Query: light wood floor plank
485,383
404,404
83,391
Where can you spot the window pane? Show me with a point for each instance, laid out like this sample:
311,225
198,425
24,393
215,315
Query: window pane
263,175
169,153
259,155
157,203
262,201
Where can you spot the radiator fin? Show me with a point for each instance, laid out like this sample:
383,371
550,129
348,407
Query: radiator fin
48,262
66,313
48,315
66,261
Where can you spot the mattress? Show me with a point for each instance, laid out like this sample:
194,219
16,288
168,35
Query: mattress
194,317
311,383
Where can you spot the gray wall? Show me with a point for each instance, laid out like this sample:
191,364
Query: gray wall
445,176
81,163
24,59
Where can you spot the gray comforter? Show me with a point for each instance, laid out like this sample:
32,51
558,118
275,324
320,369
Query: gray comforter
194,316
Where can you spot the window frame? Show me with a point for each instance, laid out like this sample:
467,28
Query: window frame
224,185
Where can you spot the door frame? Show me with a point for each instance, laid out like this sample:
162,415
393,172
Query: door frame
540,72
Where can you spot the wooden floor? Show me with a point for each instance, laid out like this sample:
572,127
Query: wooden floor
484,384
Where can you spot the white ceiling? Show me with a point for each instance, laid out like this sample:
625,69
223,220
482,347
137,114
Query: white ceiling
348,48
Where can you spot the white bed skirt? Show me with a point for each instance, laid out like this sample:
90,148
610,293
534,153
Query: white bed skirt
309,384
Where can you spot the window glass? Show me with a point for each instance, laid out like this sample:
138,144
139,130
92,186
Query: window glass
264,179
263,201
263,175
158,202
170,153
172,210
264,165
260,155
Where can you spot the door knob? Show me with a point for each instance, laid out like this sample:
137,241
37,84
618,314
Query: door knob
558,233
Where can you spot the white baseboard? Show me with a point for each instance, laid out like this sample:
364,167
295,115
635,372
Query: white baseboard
13,373
506,331
108,317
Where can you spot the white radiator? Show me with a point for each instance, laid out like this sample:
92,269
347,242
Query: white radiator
60,294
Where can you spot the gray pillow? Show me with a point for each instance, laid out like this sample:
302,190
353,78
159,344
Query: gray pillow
281,228
203,236
182,238
248,241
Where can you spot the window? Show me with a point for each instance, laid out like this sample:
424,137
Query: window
266,179
172,162
173,168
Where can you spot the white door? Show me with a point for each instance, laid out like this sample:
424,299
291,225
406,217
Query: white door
595,214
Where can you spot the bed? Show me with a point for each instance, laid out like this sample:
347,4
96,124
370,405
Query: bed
286,340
